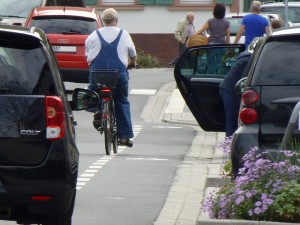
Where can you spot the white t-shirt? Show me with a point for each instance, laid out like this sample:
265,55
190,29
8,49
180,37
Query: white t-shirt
125,48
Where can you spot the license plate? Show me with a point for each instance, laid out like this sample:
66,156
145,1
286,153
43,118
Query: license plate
64,48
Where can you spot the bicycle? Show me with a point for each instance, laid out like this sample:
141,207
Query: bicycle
106,81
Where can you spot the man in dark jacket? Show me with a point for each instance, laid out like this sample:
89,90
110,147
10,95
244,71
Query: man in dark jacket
227,91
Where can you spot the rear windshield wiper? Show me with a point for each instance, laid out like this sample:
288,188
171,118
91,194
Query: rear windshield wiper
4,90
73,32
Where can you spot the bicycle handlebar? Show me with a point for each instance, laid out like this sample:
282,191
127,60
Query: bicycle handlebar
131,66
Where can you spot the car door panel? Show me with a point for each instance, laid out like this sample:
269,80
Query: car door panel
200,87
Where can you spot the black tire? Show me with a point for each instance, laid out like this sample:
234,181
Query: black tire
108,137
115,144
64,219
113,126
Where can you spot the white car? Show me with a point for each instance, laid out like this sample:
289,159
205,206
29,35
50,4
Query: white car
236,20
279,8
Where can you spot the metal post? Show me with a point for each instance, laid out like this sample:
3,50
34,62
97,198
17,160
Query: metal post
286,12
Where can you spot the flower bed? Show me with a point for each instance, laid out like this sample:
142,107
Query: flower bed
266,189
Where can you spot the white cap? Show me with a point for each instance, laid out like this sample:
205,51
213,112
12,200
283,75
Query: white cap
109,13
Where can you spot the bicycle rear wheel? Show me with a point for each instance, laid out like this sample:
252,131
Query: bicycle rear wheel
114,128
108,136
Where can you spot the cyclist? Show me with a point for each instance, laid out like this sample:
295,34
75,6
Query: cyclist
112,48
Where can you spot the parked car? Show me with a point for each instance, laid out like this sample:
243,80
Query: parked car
38,154
269,94
67,29
17,14
235,20
279,8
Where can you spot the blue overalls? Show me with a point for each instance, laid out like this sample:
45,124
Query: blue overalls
108,59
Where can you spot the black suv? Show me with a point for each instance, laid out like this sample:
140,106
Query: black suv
270,93
38,154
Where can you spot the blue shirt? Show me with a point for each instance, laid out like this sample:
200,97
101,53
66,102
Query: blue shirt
255,26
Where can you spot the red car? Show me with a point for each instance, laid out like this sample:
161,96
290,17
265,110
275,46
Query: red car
67,29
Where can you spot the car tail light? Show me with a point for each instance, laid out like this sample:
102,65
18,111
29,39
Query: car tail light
249,97
55,118
248,114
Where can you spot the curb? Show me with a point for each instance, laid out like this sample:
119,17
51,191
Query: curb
238,222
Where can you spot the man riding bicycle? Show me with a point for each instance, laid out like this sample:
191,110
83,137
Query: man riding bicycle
112,48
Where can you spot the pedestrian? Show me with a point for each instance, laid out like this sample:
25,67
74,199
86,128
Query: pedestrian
275,24
231,100
185,29
111,47
218,29
253,25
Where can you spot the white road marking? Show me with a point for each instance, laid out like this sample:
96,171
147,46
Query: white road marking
95,167
142,92
87,174
83,179
166,127
176,103
114,198
150,159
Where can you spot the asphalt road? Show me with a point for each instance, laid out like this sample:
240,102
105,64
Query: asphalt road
129,188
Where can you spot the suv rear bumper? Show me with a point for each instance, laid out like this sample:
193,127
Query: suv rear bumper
75,75
19,202
243,140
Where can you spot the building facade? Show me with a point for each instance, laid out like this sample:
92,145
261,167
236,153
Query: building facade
152,23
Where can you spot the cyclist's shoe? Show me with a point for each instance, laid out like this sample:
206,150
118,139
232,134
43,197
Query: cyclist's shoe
97,120
125,141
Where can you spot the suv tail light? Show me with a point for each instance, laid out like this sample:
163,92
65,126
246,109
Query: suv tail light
248,114
55,116
249,97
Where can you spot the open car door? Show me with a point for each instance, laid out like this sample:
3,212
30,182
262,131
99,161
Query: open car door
198,74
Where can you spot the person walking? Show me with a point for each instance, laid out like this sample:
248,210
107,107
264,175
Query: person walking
218,29
253,24
185,29
111,47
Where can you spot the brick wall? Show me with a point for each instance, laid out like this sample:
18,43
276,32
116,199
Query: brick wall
162,46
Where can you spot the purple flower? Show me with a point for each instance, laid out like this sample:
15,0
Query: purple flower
258,203
257,211
250,212
239,200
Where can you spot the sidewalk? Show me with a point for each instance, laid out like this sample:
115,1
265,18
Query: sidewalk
200,167
199,173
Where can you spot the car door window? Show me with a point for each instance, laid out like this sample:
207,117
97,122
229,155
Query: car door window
212,62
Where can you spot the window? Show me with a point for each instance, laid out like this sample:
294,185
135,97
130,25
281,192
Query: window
65,25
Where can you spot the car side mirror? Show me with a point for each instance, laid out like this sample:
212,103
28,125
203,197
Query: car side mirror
240,85
83,99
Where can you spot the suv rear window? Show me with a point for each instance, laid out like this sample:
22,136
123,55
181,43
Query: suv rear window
65,25
278,64
24,70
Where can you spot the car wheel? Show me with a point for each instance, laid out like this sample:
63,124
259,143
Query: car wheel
64,219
